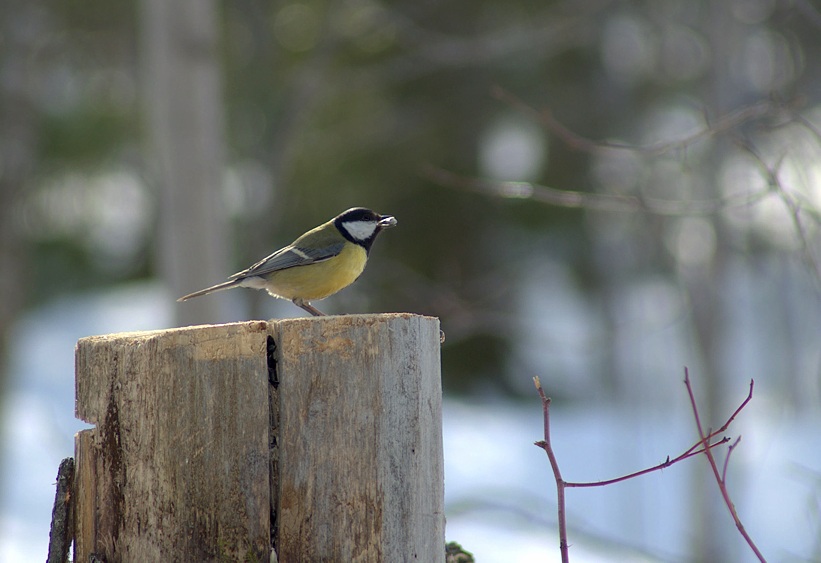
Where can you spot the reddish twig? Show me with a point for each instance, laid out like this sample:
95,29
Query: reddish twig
554,464
727,459
663,465
704,445
721,478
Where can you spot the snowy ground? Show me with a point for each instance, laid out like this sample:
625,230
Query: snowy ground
500,496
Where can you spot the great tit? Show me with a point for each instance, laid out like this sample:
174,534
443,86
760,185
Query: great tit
317,264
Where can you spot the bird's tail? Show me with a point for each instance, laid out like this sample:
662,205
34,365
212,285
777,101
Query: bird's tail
219,287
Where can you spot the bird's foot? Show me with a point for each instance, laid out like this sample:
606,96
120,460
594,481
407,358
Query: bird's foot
308,307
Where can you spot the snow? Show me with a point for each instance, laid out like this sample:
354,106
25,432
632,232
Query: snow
500,493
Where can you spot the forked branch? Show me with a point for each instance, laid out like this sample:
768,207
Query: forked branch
721,478
705,444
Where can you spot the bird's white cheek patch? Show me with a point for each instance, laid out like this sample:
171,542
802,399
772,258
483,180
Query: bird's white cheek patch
360,230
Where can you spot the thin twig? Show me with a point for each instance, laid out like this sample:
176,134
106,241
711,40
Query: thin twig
554,464
589,200
707,452
808,125
727,460
743,404
729,121
808,12
695,449
704,446
794,207
663,465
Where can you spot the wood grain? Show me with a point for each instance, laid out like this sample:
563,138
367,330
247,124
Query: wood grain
177,467
361,475
320,437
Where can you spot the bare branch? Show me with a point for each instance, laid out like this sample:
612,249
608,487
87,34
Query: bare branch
809,12
719,480
809,125
586,200
704,446
559,27
732,120
557,474
795,208
663,465
727,460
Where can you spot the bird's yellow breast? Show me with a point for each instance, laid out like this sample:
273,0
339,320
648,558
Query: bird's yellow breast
319,280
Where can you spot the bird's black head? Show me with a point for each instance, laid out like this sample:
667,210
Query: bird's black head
361,225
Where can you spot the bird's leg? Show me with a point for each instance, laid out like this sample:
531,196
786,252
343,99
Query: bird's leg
308,307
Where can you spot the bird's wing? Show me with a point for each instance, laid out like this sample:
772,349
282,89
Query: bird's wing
289,257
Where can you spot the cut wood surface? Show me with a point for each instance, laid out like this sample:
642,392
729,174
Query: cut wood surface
319,437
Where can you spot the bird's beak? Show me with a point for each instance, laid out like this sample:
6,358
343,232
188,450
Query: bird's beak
386,221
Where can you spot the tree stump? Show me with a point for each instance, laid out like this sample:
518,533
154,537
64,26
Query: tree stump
319,438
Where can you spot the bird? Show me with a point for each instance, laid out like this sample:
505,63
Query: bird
319,263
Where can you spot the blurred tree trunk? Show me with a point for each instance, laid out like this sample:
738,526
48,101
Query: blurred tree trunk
709,289
18,153
181,81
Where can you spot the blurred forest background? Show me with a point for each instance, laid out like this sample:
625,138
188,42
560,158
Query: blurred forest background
598,192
